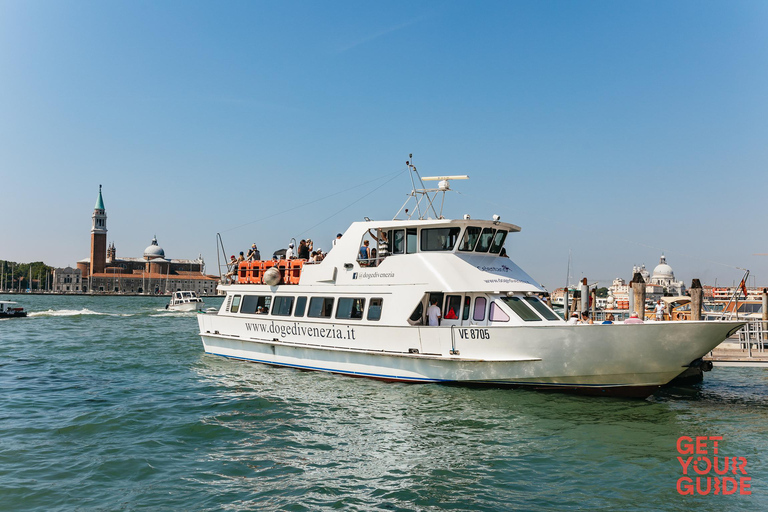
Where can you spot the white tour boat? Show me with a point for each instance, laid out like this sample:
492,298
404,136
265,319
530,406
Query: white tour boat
185,301
367,317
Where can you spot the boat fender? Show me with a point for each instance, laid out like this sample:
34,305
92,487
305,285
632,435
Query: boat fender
271,277
166,306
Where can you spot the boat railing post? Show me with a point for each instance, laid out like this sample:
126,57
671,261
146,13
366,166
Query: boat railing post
454,352
764,322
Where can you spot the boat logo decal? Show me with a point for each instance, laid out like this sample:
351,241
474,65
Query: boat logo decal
372,275
332,332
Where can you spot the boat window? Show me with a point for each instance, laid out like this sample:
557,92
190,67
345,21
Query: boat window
485,240
479,313
411,240
320,307
470,238
439,239
497,314
465,314
498,241
350,308
521,309
301,304
750,308
398,241
256,304
415,318
452,305
374,309
542,308
282,306
235,306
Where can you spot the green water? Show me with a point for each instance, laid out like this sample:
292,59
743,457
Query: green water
110,404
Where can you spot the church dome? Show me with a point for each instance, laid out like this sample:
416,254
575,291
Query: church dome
663,270
154,251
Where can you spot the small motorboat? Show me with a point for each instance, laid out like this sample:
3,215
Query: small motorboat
10,309
185,301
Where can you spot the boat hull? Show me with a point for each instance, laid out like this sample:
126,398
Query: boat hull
188,306
623,360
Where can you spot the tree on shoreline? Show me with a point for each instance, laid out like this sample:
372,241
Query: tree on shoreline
15,276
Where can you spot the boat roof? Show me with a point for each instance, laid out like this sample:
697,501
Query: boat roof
448,271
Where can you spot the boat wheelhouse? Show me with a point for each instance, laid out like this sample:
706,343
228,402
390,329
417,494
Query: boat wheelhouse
364,315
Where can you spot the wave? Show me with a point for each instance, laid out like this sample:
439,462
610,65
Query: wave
74,312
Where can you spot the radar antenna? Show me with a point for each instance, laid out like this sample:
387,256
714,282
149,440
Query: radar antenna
420,194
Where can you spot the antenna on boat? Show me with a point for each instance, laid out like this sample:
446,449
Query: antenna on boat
422,193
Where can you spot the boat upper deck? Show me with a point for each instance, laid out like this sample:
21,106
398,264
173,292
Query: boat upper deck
435,254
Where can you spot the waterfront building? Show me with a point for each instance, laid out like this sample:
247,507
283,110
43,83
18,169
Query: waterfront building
67,280
153,273
659,284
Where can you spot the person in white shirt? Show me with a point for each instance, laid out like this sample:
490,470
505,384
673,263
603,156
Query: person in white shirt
659,309
574,319
289,252
433,313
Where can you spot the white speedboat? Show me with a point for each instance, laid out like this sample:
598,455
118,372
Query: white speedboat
185,301
366,316
10,309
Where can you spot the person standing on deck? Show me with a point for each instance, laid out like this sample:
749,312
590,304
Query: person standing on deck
433,313
659,309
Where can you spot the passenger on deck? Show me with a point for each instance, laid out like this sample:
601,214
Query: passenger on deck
373,261
574,319
608,319
585,318
383,243
232,265
433,313
305,248
289,252
320,256
633,319
338,237
365,254
253,253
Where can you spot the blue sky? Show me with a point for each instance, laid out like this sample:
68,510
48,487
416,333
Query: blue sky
613,130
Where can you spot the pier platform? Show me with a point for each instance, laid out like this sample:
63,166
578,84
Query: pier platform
739,354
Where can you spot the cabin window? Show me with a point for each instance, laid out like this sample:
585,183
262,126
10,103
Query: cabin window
256,304
521,309
350,308
374,309
411,241
282,306
452,307
465,313
301,305
320,307
439,239
497,314
471,235
235,306
486,237
479,314
750,308
542,308
498,241
398,241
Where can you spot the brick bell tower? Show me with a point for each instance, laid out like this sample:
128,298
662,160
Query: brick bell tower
98,237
